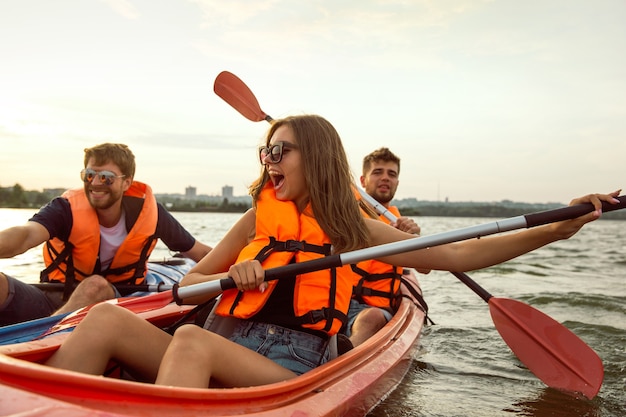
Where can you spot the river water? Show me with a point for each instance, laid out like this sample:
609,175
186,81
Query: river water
463,368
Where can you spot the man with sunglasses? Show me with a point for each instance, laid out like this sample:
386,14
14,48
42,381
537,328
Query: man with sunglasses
94,236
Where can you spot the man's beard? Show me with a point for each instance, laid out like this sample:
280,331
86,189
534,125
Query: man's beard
384,198
102,203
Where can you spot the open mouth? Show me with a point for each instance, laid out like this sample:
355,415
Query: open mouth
277,180
98,192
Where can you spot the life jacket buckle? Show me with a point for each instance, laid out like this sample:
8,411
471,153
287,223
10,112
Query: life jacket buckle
294,245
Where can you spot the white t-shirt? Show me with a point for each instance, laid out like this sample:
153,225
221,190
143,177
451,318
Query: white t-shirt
110,240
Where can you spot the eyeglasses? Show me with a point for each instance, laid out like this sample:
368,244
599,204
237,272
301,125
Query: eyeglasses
275,152
105,177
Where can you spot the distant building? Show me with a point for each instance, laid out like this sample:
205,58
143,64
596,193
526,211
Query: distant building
227,191
190,193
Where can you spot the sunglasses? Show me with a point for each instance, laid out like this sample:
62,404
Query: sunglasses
105,177
275,152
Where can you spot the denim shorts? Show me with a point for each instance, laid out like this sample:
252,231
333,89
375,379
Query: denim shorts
297,351
354,310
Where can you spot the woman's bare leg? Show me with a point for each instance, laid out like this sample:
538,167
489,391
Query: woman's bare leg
112,332
195,356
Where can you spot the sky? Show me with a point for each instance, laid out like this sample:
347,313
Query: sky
482,100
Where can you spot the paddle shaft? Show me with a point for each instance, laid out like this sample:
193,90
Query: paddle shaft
123,288
513,223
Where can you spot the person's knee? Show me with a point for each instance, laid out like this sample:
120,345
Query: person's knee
192,340
375,317
188,334
95,288
106,312
105,318
4,288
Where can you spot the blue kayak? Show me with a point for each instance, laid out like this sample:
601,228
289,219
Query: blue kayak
161,276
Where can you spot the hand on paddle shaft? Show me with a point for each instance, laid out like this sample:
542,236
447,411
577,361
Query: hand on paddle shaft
532,336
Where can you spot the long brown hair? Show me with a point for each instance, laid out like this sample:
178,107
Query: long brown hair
328,178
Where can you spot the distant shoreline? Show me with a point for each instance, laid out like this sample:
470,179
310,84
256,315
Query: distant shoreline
16,198
484,211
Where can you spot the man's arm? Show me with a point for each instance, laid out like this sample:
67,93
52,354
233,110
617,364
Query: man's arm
19,239
177,238
197,251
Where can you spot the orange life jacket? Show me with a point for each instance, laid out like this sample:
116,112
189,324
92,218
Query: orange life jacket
77,258
321,299
376,283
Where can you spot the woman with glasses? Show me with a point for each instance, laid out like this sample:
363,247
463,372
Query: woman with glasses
93,236
303,203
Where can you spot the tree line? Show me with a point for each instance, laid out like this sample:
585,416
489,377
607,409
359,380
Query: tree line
18,197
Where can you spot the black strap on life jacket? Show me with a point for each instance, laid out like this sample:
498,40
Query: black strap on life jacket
417,298
360,290
58,260
394,298
139,266
327,313
64,257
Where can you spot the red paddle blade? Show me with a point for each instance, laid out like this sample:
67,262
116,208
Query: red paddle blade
236,93
551,351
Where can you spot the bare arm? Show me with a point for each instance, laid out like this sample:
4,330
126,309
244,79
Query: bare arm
19,239
218,261
198,251
480,253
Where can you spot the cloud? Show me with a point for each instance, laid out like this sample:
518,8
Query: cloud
123,7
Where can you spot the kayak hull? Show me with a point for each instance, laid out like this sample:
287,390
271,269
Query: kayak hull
350,385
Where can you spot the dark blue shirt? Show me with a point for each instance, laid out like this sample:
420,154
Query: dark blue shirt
56,217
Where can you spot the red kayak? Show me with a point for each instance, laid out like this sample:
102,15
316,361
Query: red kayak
349,385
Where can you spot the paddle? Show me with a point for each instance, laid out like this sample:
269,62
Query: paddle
123,289
535,347
549,350
229,87
213,288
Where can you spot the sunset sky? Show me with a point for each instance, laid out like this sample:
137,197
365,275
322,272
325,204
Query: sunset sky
482,100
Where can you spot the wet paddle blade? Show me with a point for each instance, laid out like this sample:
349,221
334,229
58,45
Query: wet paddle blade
236,93
550,351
